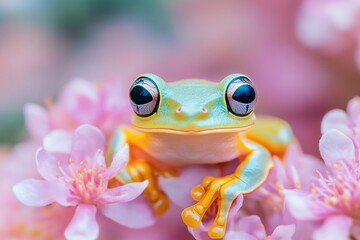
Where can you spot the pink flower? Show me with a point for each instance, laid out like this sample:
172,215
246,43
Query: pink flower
251,228
102,104
346,122
75,174
334,198
332,26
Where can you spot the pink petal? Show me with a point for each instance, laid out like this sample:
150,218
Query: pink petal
80,100
119,161
135,214
335,119
38,193
308,172
252,225
334,228
353,109
234,235
33,192
57,141
125,193
114,99
178,188
280,170
46,164
114,105
198,233
283,232
305,173
99,158
36,120
236,205
294,154
201,232
336,146
87,141
299,205
61,194
83,225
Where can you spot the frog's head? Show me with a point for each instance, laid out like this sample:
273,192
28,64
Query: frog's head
193,106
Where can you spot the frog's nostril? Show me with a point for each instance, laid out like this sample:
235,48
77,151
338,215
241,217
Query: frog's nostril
178,110
204,110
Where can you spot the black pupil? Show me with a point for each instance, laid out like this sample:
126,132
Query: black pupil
139,95
244,94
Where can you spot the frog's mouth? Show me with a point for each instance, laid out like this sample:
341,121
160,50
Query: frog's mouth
195,131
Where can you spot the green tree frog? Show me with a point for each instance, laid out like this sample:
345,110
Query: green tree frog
199,122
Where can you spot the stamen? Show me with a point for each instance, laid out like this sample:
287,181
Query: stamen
85,182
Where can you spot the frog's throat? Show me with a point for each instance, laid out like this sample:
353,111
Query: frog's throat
193,131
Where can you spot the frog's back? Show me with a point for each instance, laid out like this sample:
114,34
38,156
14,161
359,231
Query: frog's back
273,133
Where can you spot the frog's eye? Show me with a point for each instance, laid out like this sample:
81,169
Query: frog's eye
240,96
144,96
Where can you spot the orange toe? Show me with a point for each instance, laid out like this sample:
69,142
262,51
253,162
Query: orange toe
161,205
197,193
216,232
190,217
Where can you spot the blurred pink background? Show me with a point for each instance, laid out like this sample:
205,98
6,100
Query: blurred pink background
45,44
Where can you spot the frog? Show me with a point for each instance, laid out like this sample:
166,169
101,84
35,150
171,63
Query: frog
195,121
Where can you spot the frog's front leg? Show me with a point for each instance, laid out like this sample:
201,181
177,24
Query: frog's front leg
139,169
251,172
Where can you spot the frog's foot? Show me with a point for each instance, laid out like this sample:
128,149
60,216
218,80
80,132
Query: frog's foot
224,190
142,170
